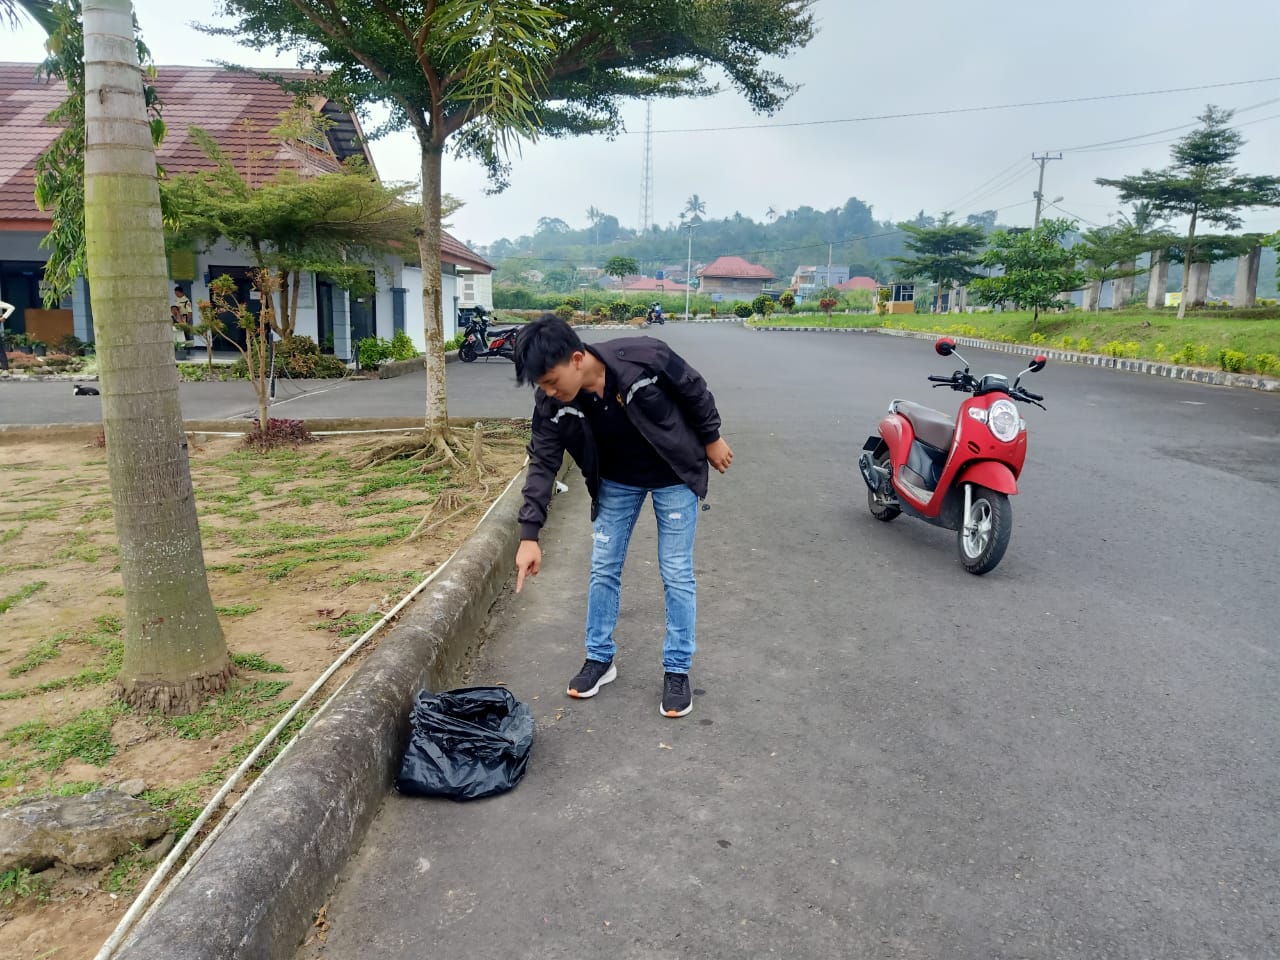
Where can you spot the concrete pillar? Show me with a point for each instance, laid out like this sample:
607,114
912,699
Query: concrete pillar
1122,288
1092,294
1246,292
1198,286
962,300
1157,280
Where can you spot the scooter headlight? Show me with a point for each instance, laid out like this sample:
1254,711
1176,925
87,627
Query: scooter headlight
1002,420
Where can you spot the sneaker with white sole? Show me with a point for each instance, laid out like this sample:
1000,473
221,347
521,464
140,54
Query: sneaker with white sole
677,698
591,678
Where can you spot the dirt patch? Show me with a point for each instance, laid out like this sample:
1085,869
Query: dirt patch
304,554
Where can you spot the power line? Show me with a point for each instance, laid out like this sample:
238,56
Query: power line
964,198
960,110
1155,133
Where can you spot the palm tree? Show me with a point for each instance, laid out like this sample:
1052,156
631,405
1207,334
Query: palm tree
695,207
174,651
40,11
771,214
594,216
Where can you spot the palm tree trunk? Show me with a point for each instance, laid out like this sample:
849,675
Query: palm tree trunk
437,415
1187,259
174,652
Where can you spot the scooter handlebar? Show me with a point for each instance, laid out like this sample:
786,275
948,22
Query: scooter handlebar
941,380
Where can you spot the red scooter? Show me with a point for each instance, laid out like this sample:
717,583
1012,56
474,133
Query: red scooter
958,475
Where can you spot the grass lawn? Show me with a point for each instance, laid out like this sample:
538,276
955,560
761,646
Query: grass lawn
1217,339
304,551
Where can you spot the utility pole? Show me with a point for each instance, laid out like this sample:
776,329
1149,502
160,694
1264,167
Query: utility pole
1042,160
688,278
830,247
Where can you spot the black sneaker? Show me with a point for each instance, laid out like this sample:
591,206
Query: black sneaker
591,678
677,698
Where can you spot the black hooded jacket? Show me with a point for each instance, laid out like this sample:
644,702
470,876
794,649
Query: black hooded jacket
665,398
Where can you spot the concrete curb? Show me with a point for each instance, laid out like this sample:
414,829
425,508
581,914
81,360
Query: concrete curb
1150,367
255,892
398,368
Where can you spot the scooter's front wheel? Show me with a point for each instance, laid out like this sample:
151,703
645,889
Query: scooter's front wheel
984,534
467,353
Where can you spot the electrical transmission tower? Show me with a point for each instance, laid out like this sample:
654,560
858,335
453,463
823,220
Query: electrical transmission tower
646,177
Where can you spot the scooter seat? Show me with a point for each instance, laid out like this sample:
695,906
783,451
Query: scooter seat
931,426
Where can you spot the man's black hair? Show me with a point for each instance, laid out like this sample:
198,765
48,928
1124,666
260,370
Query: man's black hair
545,343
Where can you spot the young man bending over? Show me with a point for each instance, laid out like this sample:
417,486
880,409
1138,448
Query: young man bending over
638,421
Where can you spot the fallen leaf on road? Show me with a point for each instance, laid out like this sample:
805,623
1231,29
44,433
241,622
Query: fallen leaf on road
663,746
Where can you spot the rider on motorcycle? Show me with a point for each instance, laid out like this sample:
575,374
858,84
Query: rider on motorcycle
655,313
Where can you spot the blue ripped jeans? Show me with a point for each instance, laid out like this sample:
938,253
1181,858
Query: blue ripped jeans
677,513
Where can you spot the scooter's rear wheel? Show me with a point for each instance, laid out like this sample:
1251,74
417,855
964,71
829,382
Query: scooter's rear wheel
882,507
984,534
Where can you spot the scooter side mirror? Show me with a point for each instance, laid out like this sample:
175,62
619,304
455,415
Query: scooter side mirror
945,347
1038,363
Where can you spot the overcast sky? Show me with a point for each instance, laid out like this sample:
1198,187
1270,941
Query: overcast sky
883,58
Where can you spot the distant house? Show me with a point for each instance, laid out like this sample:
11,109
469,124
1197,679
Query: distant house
650,285
238,110
734,277
858,283
808,280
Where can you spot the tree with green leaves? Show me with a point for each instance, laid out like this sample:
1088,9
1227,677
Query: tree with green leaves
945,253
41,13
174,651
1202,183
337,224
1108,254
482,74
1036,269
693,210
621,267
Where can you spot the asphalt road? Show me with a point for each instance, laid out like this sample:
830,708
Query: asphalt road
483,388
1077,756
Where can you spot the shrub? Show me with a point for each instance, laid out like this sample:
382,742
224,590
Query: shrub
238,370
455,342
297,356
639,310
742,310
573,303
1232,360
329,367
1083,345
1266,363
402,346
565,312
619,310
827,304
1113,348
1038,338
374,351
191,372
279,433
1067,343
599,311
762,305
1158,351
787,301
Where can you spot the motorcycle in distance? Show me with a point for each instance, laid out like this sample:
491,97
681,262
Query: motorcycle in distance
654,315
476,341
956,474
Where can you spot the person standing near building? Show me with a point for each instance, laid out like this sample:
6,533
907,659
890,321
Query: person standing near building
639,422
6,311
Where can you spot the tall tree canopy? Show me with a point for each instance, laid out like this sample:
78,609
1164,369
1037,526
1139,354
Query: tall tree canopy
1202,183
484,73
946,253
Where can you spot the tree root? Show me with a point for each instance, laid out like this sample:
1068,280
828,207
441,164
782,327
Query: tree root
173,699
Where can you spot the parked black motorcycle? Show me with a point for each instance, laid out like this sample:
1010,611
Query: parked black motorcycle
476,341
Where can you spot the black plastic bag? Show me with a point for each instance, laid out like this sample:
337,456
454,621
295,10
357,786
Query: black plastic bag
466,744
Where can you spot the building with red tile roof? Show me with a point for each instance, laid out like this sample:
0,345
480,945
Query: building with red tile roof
858,283
733,277
239,110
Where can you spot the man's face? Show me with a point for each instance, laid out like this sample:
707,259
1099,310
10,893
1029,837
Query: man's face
563,381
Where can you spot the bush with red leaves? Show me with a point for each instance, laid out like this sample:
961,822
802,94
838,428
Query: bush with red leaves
279,433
